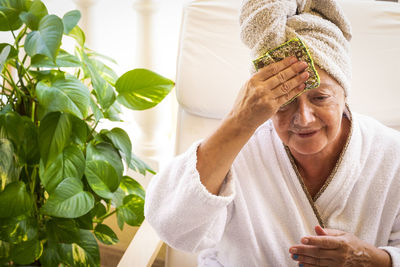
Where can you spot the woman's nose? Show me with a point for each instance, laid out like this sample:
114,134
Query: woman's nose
304,114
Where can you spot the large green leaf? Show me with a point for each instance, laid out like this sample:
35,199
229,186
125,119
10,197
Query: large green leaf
69,163
78,35
47,39
98,114
139,165
120,220
80,131
9,171
118,198
105,234
67,95
102,177
104,92
35,13
113,112
85,221
23,135
54,133
84,252
30,143
19,229
132,210
99,210
63,60
50,256
13,52
12,128
62,231
14,200
120,139
142,89
26,252
106,152
9,14
131,187
70,20
69,200
105,71
50,75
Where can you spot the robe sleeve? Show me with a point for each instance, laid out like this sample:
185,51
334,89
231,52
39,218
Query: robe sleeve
393,247
181,210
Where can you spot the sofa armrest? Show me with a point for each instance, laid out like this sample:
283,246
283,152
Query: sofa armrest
143,248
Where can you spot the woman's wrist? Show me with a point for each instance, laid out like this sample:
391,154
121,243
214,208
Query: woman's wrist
381,257
238,125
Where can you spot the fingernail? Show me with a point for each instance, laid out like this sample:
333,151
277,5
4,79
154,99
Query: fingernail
303,64
293,250
293,60
305,241
295,256
305,75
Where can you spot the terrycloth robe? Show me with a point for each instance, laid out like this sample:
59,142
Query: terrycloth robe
262,208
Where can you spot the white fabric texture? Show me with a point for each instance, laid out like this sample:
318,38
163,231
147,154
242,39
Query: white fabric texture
262,209
321,24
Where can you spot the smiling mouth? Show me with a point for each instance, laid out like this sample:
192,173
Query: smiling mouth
307,134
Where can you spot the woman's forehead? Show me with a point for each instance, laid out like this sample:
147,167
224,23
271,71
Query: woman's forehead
327,82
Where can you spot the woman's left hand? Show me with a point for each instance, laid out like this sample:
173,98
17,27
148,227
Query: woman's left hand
337,248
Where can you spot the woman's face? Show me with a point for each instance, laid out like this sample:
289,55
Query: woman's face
312,122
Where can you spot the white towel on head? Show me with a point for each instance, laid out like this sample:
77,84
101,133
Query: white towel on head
321,24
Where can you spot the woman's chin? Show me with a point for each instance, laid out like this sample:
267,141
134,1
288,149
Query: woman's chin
307,148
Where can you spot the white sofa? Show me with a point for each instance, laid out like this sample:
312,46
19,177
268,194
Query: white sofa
213,64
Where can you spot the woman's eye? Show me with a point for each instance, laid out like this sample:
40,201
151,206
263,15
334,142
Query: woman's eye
320,98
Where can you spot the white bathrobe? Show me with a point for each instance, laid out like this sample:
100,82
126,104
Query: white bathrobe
262,208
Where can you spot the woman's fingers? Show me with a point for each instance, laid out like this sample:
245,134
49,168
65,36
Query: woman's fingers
268,89
321,231
290,89
286,74
324,242
314,256
275,68
312,261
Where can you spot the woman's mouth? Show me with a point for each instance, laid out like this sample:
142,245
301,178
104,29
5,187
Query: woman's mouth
307,134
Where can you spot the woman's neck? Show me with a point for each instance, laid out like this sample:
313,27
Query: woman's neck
316,168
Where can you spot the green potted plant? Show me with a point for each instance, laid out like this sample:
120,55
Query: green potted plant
59,176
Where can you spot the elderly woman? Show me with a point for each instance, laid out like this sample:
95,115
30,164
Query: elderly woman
308,183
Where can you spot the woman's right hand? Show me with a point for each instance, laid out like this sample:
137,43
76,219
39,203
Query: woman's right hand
259,99
267,90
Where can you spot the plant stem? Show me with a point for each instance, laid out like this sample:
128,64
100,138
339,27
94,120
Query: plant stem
33,111
12,32
10,82
29,78
102,218
19,37
94,128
